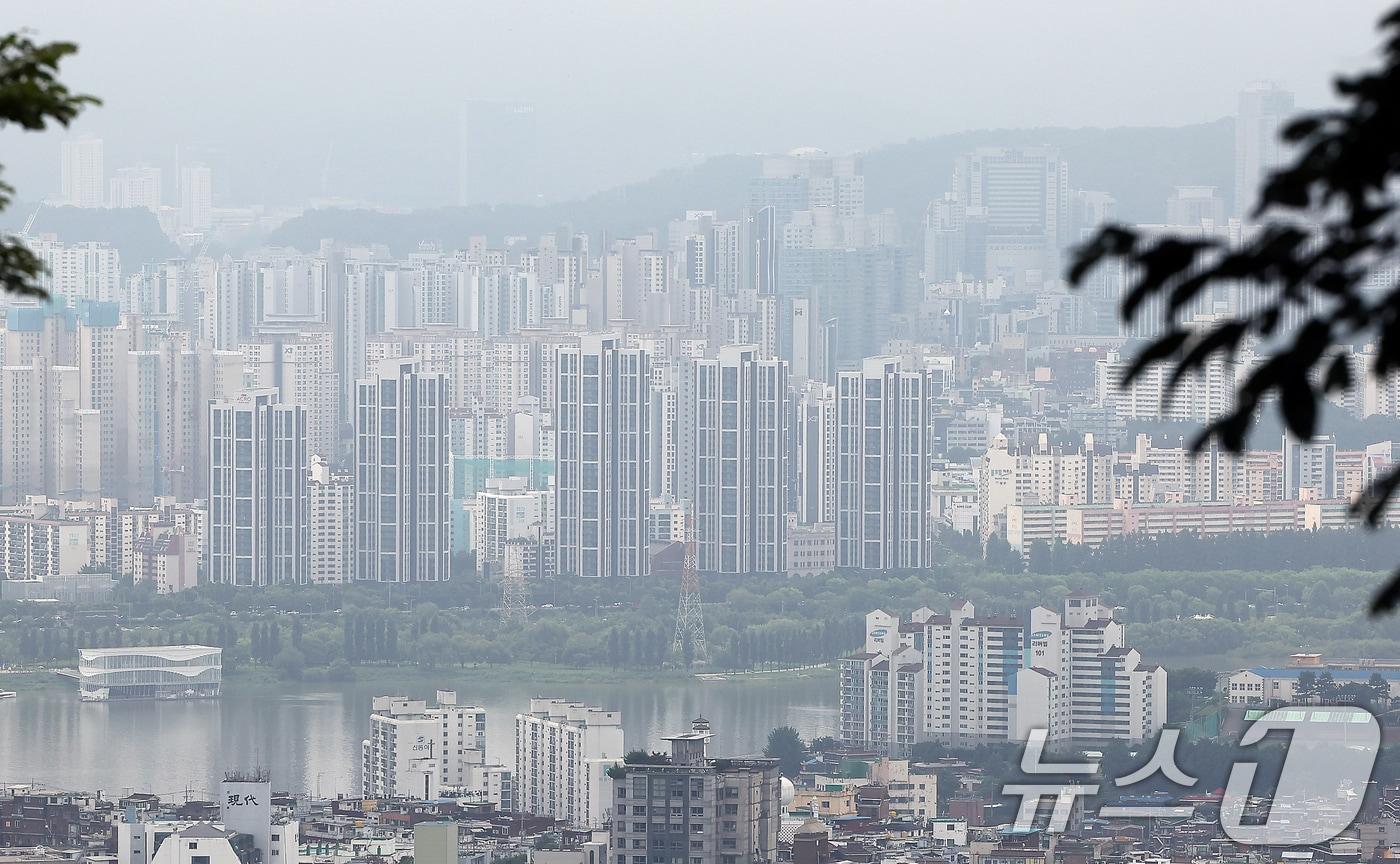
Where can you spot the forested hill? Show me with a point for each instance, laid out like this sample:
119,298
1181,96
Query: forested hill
134,232
1138,166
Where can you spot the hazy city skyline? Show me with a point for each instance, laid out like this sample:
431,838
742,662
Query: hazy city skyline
384,127
760,512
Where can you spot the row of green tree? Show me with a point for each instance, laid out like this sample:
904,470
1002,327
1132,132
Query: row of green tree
1219,618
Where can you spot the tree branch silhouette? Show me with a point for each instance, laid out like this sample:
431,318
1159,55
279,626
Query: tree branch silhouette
1323,234
31,97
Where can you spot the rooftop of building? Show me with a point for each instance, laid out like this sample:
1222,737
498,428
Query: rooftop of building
168,652
1362,674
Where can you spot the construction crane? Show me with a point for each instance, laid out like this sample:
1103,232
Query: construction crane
690,617
29,223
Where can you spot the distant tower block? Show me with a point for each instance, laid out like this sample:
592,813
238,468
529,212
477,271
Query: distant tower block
514,594
688,647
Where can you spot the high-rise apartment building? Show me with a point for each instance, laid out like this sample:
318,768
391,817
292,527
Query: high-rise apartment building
563,751
508,511
82,172
100,341
816,454
1082,681
1264,107
882,690
882,458
362,319
602,458
968,679
258,510
739,466
415,749
196,197
301,365
402,524
331,519
135,186
1310,468
78,271
1038,475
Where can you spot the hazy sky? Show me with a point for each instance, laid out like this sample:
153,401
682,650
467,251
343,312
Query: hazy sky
263,89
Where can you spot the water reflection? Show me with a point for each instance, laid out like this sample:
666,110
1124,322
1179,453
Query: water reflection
310,735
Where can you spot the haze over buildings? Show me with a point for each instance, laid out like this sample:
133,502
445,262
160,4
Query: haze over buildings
323,353
696,81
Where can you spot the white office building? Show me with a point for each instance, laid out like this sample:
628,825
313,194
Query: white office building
258,511
402,529
562,753
415,749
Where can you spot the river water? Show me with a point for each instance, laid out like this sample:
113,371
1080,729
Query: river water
309,735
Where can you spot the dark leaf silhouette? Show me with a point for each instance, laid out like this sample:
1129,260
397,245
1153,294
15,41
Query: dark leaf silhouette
1338,376
1323,237
1388,597
31,96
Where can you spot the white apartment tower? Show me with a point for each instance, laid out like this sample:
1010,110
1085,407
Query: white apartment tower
135,186
100,342
970,679
740,480
602,459
35,343
401,475
882,441
882,690
78,271
258,528
562,753
414,749
331,505
1082,682
816,454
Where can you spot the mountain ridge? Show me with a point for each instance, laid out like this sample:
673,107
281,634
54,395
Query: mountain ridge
1137,165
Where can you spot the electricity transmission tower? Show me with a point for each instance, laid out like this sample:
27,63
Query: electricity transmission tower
514,594
690,620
